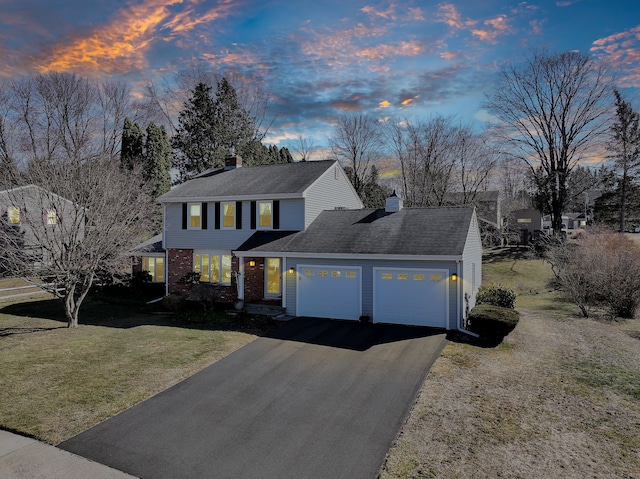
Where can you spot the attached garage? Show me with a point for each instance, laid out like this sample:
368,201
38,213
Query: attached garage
410,296
325,291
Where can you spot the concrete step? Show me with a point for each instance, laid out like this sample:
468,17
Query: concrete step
265,310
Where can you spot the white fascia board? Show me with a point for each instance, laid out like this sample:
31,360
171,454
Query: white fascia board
211,199
396,257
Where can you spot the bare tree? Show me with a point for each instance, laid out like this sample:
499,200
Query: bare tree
426,154
357,144
475,160
304,148
551,112
75,221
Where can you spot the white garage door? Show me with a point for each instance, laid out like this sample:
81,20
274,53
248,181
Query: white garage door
329,291
410,296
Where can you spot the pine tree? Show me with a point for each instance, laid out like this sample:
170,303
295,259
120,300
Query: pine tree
624,146
132,151
157,163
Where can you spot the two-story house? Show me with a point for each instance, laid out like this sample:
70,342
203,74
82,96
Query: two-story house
297,234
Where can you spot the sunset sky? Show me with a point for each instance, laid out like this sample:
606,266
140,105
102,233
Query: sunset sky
319,59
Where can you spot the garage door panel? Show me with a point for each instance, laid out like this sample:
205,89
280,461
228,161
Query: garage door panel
411,296
329,291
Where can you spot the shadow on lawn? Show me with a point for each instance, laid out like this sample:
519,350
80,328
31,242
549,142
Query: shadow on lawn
508,253
127,313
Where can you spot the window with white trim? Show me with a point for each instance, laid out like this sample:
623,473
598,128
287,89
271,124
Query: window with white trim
228,215
213,267
52,217
14,215
195,216
154,265
265,214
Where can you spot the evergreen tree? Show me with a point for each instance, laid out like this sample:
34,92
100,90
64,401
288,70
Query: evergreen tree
157,163
232,122
132,151
624,145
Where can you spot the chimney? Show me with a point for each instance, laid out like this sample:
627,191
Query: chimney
232,161
393,203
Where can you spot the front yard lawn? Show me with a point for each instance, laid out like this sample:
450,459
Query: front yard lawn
560,397
56,382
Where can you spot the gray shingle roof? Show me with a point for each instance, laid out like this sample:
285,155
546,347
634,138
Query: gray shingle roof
269,180
410,231
152,245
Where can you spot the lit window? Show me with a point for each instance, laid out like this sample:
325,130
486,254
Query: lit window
195,215
322,273
436,277
308,272
213,268
387,276
336,274
403,276
14,216
52,217
350,274
418,277
228,215
264,212
155,267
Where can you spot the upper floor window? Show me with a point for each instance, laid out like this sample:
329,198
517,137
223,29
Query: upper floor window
195,216
228,215
14,215
52,217
265,214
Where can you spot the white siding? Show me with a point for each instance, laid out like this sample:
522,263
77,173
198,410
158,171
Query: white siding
367,266
291,219
471,266
332,190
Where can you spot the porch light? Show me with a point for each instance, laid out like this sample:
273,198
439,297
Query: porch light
252,263
454,277
291,270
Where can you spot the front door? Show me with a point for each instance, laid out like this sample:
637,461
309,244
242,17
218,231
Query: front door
273,278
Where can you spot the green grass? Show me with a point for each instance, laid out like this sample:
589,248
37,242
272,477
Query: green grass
56,382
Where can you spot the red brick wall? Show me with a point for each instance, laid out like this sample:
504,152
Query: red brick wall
180,263
253,280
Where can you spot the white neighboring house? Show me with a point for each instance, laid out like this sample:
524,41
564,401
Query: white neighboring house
35,219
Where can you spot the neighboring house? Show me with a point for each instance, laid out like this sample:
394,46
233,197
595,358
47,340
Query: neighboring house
297,234
525,223
32,216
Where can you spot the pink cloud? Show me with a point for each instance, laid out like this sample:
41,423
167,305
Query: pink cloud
622,52
448,13
496,27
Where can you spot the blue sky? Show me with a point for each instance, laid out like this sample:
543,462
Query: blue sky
320,59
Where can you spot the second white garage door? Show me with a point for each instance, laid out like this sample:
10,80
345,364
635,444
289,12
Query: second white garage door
329,291
410,296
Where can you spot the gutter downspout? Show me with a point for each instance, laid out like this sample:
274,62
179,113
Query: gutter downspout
459,293
166,251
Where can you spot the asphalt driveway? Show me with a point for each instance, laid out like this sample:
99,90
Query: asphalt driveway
317,399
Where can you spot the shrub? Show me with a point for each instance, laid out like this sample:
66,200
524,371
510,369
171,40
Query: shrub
496,295
173,303
492,322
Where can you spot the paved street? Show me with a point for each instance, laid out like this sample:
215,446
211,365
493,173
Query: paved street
317,399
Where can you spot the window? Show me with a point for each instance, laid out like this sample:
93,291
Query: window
213,268
155,267
228,215
350,274
336,274
418,277
308,272
14,216
387,276
52,217
403,276
265,209
322,273
436,277
195,216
